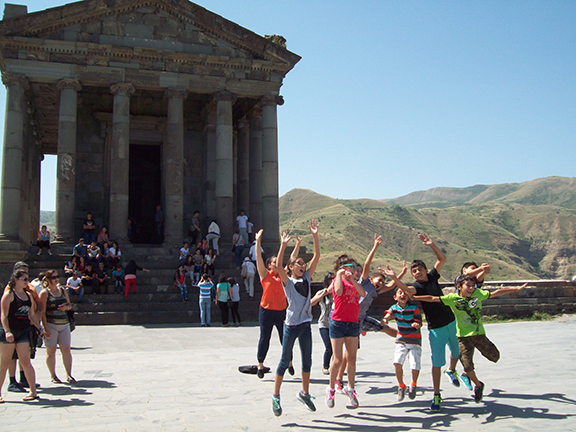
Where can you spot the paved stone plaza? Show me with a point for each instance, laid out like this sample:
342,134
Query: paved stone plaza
167,378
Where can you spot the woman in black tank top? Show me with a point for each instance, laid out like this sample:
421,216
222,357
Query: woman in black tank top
18,310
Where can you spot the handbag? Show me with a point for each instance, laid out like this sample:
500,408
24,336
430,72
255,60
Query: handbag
71,320
244,271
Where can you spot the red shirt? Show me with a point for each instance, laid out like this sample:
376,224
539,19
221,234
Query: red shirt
273,297
347,305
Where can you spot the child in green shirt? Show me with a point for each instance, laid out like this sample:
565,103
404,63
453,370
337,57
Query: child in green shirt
467,308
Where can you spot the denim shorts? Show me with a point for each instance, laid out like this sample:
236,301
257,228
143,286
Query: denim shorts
342,329
19,336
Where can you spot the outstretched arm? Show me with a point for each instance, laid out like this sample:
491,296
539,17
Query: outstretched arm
427,298
410,290
313,227
440,257
501,291
262,270
284,239
370,257
320,294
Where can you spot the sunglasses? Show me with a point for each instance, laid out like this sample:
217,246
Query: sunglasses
23,279
55,277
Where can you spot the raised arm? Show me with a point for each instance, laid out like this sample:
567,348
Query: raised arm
296,249
410,290
440,257
370,257
501,291
313,227
262,270
284,239
392,284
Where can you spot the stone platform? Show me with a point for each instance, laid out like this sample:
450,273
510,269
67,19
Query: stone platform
185,378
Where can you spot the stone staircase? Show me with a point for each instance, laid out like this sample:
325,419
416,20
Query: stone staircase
156,301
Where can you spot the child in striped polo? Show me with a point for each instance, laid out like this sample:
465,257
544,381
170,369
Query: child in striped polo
408,340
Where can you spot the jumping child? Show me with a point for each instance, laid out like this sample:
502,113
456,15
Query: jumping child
467,307
408,342
297,287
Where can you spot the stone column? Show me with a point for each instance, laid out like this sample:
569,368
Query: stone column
270,212
12,156
255,156
173,170
224,165
66,171
120,160
243,168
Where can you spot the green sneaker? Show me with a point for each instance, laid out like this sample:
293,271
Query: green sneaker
435,406
276,408
453,375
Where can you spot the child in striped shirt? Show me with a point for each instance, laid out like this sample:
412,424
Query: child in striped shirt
408,340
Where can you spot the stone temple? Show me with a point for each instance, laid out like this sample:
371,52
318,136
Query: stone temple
144,102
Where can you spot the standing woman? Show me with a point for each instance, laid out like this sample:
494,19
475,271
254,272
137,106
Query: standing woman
273,303
18,309
55,303
222,297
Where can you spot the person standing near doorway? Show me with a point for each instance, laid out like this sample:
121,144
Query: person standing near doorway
195,228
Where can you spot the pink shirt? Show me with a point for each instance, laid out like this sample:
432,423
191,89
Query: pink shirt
347,305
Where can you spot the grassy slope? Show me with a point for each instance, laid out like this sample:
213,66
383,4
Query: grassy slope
525,230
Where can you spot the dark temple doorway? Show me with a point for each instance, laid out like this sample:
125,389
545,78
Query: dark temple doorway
145,192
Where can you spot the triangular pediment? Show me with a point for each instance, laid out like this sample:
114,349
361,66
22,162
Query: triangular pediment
168,25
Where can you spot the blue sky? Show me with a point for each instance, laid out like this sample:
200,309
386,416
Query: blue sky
392,97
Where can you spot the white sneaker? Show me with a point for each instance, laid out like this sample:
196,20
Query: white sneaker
351,393
401,393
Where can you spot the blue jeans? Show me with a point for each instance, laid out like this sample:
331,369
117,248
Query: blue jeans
268,320
238,254
303,333
183,291
325,334
80,293
205,311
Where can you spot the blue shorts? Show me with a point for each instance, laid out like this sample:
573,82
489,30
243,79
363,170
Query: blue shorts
342,329
439,338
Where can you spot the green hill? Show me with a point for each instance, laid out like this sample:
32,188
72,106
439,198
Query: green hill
525,230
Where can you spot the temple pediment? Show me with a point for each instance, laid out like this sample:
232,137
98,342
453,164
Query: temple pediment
151,32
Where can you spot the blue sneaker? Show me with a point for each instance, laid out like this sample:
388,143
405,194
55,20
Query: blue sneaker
276,408
453,375
435,406
466,381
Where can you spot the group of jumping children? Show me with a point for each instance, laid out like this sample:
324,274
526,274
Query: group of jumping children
453,320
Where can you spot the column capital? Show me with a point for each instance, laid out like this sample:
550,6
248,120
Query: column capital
125,89
69,84
225,96
176,92
273,100
15,79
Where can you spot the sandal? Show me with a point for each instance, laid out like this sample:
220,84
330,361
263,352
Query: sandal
1,400
56,380
31,398
70,380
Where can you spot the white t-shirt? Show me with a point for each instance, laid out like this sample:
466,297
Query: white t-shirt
73,283
242,221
